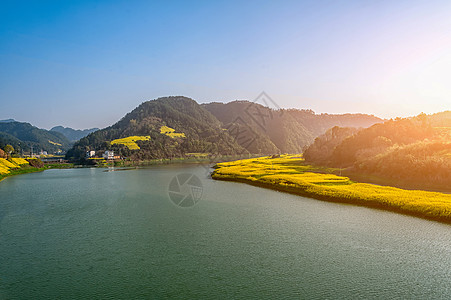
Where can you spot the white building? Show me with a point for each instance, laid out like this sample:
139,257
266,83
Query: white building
108,155
91,153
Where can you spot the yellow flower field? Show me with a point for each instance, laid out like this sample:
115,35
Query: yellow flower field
130,141
54,143
8,163
289,173
13,163
19,161
170,132
3,170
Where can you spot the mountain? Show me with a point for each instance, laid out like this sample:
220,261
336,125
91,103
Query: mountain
7,121
289,129
73,134
23,136
414,149
179,126
8,139
166,127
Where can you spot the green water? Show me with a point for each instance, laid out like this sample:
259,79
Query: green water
89,234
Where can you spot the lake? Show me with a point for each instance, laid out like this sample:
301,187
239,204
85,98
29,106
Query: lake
90,234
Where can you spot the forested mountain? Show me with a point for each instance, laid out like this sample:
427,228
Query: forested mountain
320,123
411,148
8,139
23,136
73,135
289,129
199,132
234,128
7,121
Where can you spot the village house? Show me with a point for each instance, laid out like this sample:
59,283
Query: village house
108,154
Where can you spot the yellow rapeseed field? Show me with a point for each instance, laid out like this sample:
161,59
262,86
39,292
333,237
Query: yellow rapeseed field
8,163
289,173
13,163
54,143
170,132
19,161
130,141
3,169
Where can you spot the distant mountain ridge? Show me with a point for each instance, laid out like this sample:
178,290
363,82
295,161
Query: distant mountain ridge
237,127
289,129
24,136
73,134
7,121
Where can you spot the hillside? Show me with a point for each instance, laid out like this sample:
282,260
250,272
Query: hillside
290,130
159,121
23,136
73,135
415,150
237,127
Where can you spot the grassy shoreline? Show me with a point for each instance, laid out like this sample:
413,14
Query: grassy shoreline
25,169
20,171
290,174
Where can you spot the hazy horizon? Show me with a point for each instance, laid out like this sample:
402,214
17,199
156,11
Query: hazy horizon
101,127
85,65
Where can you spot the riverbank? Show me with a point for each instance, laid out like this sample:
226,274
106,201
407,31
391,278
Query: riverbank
16,166
24,170
289,173
160,161
11,168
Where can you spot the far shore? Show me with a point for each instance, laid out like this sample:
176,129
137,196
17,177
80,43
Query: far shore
128,163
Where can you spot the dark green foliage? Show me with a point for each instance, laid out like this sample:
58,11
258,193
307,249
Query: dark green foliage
8,149
202,130
23,136
8,139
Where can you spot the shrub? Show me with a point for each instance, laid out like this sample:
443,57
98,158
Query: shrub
35,162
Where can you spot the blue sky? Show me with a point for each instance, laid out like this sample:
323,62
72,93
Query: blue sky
87,63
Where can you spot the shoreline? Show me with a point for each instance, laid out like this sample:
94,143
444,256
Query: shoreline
30,169
332,188
127,164
303,193
22,171
175,160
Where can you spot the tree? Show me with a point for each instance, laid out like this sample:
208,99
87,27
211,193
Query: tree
2,154
9,149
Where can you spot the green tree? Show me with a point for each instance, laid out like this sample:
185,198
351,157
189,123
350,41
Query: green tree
9,149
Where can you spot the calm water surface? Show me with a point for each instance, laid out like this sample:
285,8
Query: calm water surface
89,234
